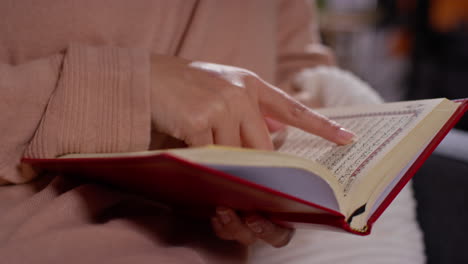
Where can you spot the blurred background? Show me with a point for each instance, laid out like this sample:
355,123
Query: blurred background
415,49
406,49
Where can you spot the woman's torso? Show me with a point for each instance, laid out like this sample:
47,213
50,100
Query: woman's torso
241,33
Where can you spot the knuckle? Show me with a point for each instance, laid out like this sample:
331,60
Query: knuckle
255,84
217,108
197,123
233,97
268,228
233,91
296,109
205,114
251,76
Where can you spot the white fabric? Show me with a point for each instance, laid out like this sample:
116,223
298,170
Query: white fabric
454,145
335,87
395,238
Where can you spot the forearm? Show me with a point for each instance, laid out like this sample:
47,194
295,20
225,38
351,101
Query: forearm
85,99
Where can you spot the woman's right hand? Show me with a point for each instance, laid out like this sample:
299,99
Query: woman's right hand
204,103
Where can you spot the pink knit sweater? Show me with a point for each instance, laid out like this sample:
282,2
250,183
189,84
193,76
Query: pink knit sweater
75,75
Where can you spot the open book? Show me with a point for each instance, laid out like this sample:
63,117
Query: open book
307,180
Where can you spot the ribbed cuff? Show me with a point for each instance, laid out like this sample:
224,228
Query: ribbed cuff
101,104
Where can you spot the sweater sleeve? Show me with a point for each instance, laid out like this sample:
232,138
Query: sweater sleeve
84,100
298,41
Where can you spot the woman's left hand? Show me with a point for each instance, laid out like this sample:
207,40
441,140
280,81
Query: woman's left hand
246,230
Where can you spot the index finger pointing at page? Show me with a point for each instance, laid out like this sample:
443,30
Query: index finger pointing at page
282,107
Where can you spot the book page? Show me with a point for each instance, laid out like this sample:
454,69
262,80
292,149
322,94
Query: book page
301,183
377,130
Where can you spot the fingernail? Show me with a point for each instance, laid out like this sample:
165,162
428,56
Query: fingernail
345,136
224,216
255,226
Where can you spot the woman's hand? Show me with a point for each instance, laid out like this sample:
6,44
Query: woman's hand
204,103
229,226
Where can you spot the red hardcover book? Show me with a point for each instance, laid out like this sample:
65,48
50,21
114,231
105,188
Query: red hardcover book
307,180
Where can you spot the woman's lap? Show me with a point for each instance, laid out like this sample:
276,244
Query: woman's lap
53,219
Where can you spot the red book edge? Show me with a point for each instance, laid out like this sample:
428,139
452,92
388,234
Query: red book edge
195,166
335,219
262,188
457,115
